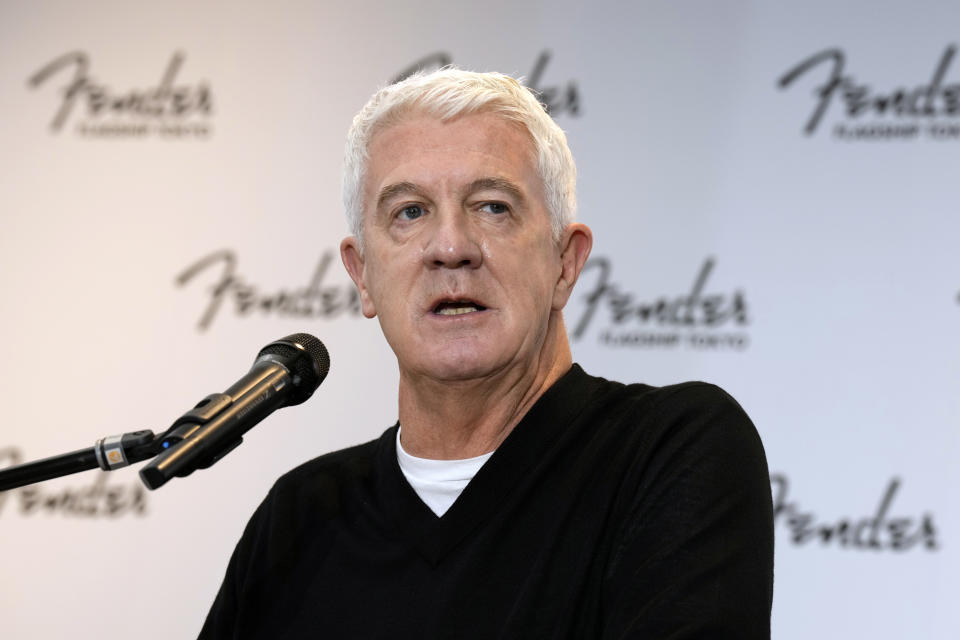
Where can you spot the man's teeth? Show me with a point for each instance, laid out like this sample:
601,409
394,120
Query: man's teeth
456,310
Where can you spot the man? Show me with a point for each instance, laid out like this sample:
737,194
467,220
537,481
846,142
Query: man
517,497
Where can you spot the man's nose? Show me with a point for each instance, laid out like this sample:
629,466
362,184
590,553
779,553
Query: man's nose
452,242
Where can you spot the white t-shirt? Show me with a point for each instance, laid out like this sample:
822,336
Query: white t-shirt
438,482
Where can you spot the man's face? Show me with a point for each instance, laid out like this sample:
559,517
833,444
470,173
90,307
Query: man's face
459,260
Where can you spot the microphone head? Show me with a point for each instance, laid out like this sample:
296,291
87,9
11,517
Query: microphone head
305,358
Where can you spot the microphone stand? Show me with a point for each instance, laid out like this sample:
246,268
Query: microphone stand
112,452
286,372
115,452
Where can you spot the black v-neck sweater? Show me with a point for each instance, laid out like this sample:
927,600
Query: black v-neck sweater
610,511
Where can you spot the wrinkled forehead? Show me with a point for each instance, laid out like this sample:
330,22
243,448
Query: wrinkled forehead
407,114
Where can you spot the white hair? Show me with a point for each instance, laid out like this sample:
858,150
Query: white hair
446,94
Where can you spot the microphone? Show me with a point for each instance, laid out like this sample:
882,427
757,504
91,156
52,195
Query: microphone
286,372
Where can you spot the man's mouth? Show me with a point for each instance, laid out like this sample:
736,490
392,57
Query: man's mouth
457,307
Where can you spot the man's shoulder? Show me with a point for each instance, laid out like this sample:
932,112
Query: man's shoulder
355,464
672,411
689,396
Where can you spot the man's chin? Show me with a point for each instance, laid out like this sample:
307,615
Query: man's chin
459,367
460,372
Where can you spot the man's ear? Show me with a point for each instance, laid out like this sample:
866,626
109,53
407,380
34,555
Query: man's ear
575,245
353,261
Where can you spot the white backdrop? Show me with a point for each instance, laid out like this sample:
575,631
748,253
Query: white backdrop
826,260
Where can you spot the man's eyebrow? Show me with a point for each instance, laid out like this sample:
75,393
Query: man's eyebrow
398,189
497,184
409,188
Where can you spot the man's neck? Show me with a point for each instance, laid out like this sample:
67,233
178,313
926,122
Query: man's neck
455,420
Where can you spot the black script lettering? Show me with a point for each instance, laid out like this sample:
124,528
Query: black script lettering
690,311
824,92
875,533
839,531
877,523
928,100
70,93
316,300
556,99
164,100
602,288
933,88
93,501
928,532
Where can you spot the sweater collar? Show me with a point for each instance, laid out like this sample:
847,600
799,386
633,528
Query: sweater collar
514,464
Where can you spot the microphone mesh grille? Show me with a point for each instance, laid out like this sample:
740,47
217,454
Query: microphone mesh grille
305,357
316,350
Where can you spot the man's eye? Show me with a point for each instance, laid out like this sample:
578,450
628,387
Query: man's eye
412,212
495,207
